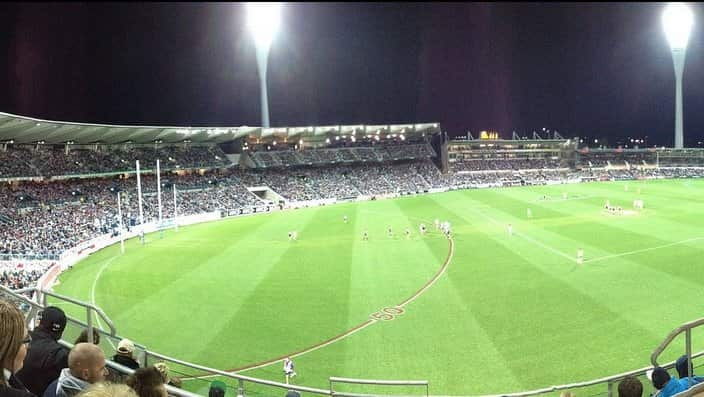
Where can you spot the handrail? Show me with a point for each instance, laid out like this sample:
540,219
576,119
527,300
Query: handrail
608,379
687,329
172,390
376,382
88,307
238,376
671,336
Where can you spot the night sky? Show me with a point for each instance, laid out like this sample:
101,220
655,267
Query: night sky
599,70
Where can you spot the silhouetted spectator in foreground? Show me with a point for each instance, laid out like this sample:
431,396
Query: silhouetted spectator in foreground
630,386
682,368
13,349
45,356
667,385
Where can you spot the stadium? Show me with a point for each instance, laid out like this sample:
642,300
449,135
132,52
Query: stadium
382,259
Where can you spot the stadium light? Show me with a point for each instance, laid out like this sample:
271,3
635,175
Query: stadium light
677,21
263,20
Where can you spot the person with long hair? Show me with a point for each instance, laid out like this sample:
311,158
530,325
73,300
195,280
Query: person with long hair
147,382
13,349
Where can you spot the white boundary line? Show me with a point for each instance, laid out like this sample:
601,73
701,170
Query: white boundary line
92,293
414,297
345,335
529,239
305,351
643,250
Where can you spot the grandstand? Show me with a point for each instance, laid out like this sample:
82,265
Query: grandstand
60,179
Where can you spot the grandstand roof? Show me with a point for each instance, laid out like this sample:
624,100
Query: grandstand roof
21,129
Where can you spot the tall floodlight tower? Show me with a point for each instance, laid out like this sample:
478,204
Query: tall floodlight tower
263,20
677,22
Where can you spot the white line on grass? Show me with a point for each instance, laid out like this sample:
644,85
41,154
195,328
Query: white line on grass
343,336
643,250
529,239
92,293
351,332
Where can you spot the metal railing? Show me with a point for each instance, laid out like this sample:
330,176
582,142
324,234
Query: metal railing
32,307
687,329
333,380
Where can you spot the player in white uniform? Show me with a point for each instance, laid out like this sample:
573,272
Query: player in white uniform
437,223
510,229
344,218
391,232
288,369
365,235
580,256
529,213
422,229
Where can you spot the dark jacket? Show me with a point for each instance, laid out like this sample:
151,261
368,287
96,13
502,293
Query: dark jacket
51,389
126,361
44,362
15,388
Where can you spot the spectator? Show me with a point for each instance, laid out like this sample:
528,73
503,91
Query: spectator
147,382
164,371
83,337
103,389
683,368
124,354
630,386
45,356
217,389
13,349
86,365
665,384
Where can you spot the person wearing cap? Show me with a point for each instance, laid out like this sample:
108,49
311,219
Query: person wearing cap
682,371
164,371
45,356
665,384
217,389
124,354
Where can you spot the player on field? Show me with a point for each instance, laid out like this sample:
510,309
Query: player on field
408,233
564,195
344,218
437,223
288,369
365,235
391,232
422,229
580,256
529,213
510,229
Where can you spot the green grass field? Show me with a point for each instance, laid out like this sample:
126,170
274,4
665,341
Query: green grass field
509,313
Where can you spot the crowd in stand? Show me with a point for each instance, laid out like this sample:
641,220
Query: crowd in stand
48,160
36,364
461,165
22,275
287,156
43,219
